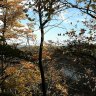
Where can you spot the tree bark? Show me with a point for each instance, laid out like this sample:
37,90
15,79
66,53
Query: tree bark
41,63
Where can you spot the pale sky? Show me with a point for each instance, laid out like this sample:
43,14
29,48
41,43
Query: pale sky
69,20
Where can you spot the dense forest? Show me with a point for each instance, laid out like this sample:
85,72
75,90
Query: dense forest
50,68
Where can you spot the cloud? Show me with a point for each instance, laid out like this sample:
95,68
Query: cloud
62,16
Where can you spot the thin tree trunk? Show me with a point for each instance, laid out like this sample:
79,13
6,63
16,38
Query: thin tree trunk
41,49
41,63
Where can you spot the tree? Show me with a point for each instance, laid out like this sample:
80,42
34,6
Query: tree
11,18
85,6
11,14
81,50
44,9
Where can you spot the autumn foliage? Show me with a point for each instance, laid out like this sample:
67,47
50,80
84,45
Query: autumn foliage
51,69
22,78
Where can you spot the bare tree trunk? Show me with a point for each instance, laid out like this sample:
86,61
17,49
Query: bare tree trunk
41,63
40,51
